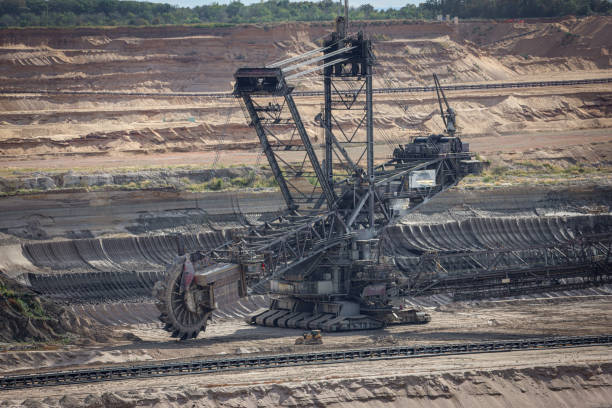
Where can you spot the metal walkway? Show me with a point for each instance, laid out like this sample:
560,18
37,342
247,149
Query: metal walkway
222,95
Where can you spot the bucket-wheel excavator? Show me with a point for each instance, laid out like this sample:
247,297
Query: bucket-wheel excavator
320,259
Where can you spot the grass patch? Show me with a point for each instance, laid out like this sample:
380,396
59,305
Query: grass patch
25,304
380,37
246,181
499,170
313,180
215,184
251,180
537,173
265,182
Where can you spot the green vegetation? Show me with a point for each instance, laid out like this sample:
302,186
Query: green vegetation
71,13
514,172
216,184
536,173
515,8
525,169
251,180
25,304
12,179
313,180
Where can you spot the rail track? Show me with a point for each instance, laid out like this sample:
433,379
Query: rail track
220,95
285,360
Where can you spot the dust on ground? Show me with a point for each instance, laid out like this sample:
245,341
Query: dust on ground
566,378
454,322
576,377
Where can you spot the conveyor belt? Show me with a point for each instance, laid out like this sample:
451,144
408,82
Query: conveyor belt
220,95
285,360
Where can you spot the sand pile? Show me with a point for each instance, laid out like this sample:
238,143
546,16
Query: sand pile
590,155
583,38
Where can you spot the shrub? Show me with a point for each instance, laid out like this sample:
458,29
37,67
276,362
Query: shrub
499,170
215,184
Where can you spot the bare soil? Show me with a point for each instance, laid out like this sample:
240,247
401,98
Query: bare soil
566,378
100,131
562,315
506,379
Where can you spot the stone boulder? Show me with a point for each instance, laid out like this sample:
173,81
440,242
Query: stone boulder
37,183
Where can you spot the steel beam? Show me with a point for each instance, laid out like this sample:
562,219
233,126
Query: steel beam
327,123
312,156
370,141
267,148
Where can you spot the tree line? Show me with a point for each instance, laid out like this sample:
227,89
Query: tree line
70,13
505,9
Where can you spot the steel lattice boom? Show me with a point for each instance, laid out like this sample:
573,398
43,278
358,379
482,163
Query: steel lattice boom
321,256
321,259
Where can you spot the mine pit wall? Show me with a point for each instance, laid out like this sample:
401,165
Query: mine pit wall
83,214
91,214
114,269
520,198
563,386
129,266
493,256
215,51
152,253
109,269
145,253
477,234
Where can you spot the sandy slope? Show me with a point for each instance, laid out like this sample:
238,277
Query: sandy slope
170,59
566,378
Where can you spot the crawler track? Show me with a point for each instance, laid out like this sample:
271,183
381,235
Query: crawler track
285,360
220,95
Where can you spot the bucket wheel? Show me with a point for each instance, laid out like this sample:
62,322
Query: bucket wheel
182,307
